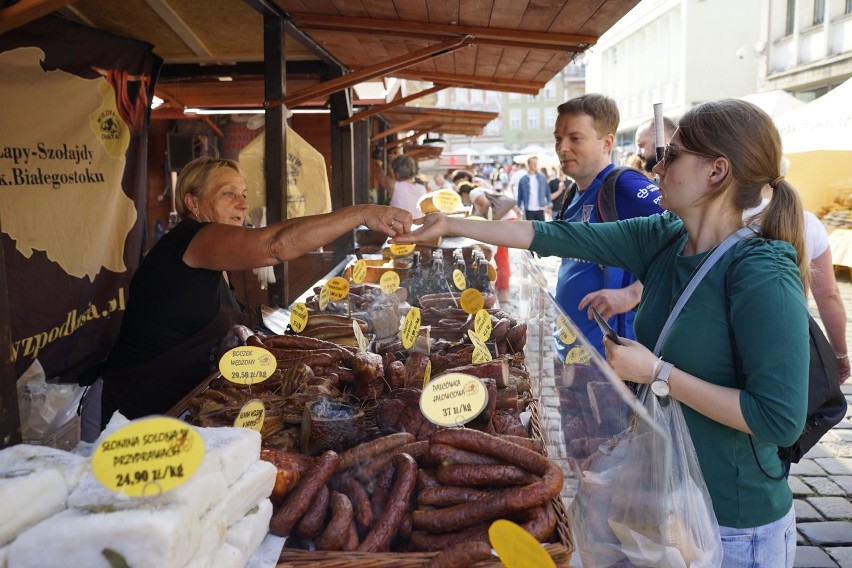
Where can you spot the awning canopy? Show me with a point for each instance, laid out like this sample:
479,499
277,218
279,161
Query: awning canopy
488,44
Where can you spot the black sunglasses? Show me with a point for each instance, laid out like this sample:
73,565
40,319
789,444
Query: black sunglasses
671,152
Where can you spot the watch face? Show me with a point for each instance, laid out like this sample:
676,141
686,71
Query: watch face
660,388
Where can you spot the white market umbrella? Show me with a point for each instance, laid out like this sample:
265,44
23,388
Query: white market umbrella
817,140
775,103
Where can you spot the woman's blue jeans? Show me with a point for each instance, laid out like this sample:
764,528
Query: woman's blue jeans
767,546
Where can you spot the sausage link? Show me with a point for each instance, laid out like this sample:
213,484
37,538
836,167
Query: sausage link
337,530
368,450
429,542
351,543
441,496
381,488
314,518
499,504
374,467
540,521
362,511
299,499
378,540
449,455
484,475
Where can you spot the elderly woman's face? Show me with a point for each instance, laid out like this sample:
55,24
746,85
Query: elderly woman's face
223,199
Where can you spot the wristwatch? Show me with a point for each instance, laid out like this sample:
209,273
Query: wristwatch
660,386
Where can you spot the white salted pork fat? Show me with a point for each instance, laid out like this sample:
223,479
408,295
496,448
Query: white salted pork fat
164,537
254,484
29,497
249,532
230,451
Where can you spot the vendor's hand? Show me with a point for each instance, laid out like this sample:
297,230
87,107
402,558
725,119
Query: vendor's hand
631,361
392,221
608,302
433,226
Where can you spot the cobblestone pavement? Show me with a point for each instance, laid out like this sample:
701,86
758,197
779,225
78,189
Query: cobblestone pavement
821,481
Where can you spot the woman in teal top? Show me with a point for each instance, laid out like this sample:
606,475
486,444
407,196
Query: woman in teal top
740,346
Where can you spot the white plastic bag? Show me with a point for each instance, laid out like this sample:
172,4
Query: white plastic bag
44,406
642,498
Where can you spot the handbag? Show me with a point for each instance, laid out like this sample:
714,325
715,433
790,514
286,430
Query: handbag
643,498
498,206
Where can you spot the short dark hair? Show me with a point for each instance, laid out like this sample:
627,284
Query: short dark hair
602,109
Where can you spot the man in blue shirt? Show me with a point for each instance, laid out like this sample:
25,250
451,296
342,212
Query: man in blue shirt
533,192
584,137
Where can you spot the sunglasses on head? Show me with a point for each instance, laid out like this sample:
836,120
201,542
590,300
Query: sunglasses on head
671,151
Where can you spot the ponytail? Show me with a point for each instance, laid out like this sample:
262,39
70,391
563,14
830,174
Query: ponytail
783,220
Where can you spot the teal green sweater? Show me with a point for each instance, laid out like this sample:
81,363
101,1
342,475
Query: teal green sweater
769,321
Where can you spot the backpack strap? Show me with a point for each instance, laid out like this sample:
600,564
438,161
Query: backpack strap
606,195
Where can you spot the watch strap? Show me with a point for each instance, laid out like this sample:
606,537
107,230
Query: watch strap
665,372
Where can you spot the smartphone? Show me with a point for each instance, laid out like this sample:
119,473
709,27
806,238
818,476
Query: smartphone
605,328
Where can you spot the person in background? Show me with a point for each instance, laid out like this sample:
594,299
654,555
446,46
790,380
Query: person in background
403,189
180,304
558,186
499,179
832,312
534,193
737,356
545,173
441,182
518,172
472,195
585,133
646,147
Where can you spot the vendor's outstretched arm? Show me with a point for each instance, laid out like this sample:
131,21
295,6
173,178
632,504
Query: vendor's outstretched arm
225,247
514,234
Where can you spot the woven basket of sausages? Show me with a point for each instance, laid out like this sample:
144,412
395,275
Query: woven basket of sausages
399,501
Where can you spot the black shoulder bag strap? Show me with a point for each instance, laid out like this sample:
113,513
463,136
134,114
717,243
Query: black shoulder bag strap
606,205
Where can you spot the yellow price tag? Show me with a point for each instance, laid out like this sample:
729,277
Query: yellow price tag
299,317
338,288
472,301
410,327
492,272
402,250
427,375
173,452
481,353
516,547
446,200
459,280
247,365
251,416
359,337
389,282
359,271
324,296
578,356
453,399
566,334
482,324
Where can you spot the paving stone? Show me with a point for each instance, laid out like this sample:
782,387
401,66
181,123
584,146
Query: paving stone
800,540
844,481
799,487
819,451
835,466
824,486
832,507
840,449
841,554
837,436
805,512
807,467
812,557
831,533
844,424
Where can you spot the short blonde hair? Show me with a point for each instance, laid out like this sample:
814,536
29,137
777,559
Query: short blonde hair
194,177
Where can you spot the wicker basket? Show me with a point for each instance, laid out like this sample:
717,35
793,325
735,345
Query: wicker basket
561,551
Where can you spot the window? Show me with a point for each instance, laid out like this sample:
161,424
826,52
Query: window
550,90
819,12
848,9
533,115
514,96
549,117
515,119
790,24
476,96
